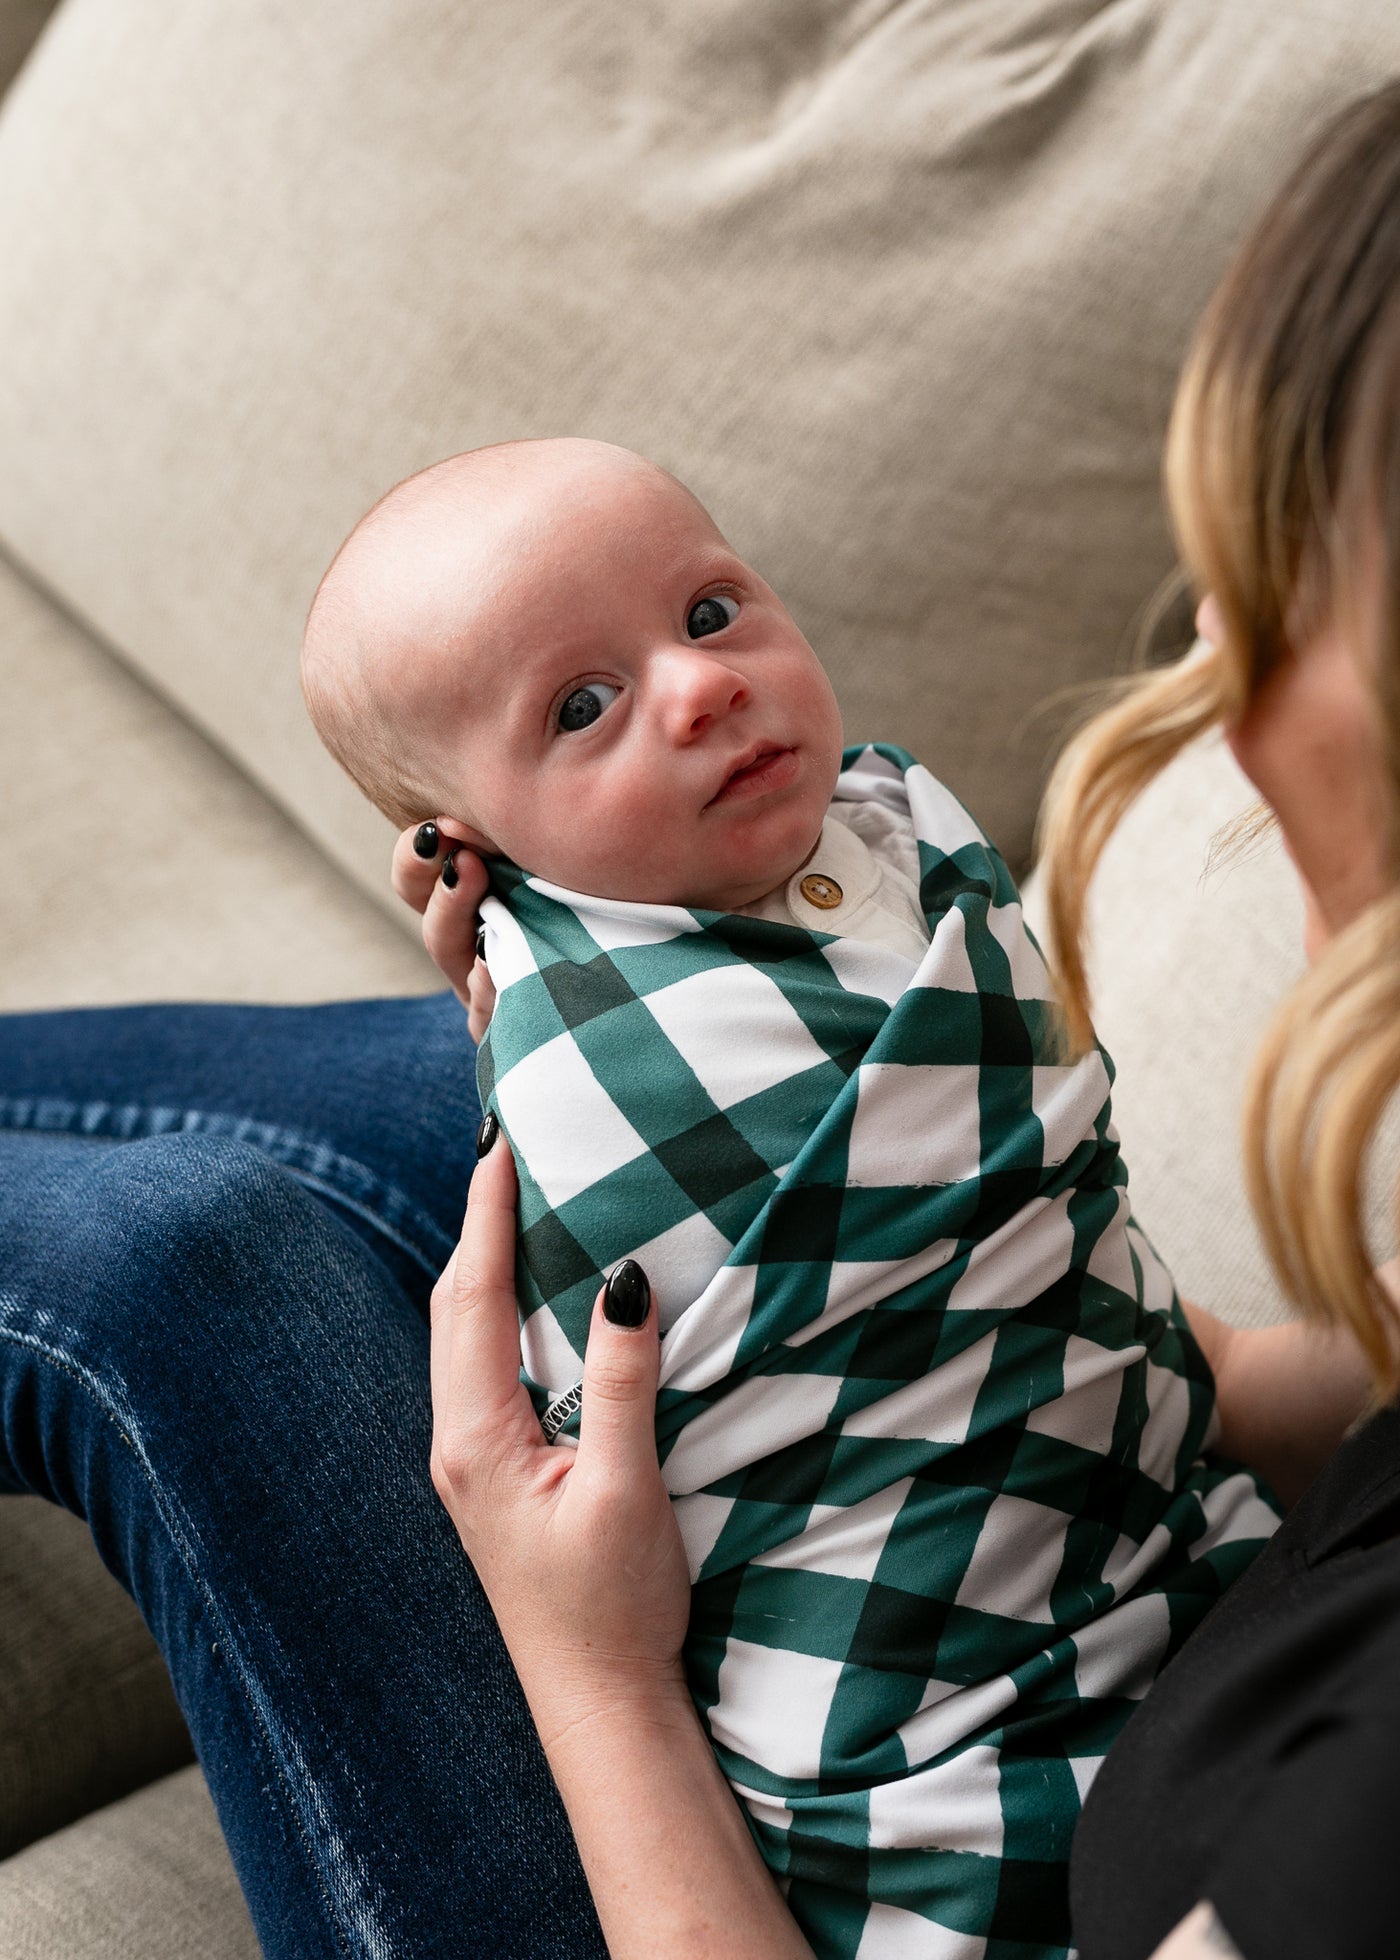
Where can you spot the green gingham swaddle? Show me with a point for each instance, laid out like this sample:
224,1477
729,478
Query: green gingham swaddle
929,1411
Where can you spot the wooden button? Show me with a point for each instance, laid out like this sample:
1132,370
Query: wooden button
824,893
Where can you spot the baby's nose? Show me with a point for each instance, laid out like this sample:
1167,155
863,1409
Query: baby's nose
704,691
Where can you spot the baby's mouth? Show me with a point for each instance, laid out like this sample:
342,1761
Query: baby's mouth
763,768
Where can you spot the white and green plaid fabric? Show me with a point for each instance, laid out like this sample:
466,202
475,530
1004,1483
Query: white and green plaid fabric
930,1413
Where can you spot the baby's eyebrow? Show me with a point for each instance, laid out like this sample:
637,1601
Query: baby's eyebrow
529,688
717,558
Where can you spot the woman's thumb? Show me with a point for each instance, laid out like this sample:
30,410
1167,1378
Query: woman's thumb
617,1425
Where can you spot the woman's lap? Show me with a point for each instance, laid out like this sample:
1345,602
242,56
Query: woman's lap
370,1104
222,1364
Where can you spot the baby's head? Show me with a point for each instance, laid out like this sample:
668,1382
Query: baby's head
550,645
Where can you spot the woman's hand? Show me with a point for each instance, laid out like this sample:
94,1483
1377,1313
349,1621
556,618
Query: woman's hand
582,1561
578,1550
444,880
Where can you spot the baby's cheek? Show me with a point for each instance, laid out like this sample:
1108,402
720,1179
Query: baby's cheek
628,844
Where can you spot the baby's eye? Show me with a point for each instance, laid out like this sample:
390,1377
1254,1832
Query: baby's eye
585,705
711,615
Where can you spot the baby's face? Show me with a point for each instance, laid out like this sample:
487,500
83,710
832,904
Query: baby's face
626,709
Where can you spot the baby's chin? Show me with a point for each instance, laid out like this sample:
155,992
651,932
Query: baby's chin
723,870
744,886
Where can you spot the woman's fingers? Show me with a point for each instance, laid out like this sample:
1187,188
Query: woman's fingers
579,1551
445,881
617,1434
633,1580
418,857
450,919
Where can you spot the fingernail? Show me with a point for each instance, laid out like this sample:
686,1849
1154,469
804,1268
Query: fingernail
425,840
481,942
449,872
487,1134
627,1295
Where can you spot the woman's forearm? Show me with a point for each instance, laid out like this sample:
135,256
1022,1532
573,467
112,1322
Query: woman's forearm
671,1864
1286,1394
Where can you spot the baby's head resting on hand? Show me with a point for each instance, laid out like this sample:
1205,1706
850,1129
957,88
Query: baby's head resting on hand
550,643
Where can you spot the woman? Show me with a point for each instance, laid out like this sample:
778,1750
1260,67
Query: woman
1284,476
375,1770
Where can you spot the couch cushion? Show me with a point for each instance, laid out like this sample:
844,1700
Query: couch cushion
137,863
145,1879
86,1708
901,291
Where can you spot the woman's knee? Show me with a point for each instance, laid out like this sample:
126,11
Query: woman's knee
207,1204
188,1288
100,1238
191,1207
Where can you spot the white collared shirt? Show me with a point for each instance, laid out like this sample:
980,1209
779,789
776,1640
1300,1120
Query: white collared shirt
861,882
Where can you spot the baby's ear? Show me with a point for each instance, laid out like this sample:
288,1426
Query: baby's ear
463,833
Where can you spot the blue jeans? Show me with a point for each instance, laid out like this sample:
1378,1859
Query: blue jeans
219,1228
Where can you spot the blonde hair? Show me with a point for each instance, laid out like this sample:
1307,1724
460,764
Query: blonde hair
1283,459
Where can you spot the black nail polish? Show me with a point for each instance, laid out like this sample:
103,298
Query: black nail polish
481,942
487,1134
627,1296
449,872
425,840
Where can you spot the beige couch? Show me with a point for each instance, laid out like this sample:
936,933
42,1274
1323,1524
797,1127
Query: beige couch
901,289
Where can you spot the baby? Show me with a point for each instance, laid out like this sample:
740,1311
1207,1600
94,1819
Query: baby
769,1020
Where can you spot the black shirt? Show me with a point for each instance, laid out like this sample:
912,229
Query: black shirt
1263,1770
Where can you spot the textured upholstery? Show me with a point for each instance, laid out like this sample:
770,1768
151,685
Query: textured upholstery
86,1709
21,22
136,863
144,1879
901,291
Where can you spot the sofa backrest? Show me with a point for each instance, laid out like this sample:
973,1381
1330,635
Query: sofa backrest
901,291
21,23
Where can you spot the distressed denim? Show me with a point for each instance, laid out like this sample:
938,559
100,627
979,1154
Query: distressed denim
219,1227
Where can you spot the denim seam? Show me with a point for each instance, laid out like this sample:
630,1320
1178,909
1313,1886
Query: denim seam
93,1388
342,1180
